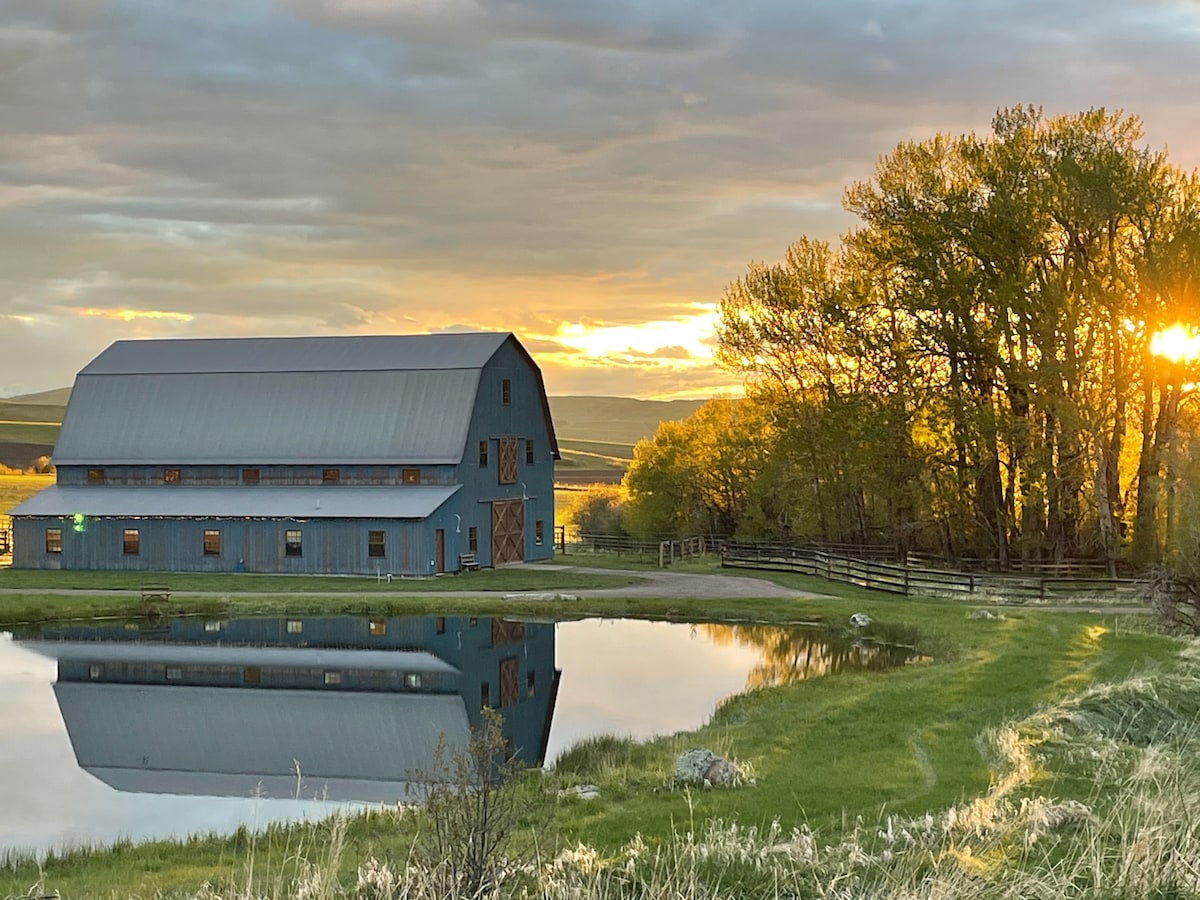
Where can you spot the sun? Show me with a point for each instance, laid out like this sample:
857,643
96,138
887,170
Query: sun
1179,343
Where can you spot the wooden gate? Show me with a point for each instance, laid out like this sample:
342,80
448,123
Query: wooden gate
508,531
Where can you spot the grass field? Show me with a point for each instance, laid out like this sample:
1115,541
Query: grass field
26,433
22,411
17,488
833,757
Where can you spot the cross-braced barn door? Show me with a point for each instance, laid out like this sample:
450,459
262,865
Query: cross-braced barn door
508,531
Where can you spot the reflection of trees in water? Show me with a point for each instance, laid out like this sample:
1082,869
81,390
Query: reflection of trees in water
791,653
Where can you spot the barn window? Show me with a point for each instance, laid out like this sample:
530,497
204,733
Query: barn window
530,685
250,476
375,544
509,682
331,476
539,532
212,542
412,680
95,671
506,471
473,539
439,625
483,454
506,392
295,626
410,476
54,540
95,476
485,696
170,476
174,673
333,677
131,541
251,675
529,451
293,543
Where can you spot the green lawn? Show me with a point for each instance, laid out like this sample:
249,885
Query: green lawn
829,753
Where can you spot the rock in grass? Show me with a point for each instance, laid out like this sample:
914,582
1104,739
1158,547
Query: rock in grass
581,792
860,620
706,768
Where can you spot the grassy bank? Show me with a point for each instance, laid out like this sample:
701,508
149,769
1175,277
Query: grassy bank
835,758
36,596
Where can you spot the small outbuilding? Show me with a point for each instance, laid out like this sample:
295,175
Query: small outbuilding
382,455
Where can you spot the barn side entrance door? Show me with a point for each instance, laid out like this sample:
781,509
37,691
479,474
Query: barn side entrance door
439,551
508,531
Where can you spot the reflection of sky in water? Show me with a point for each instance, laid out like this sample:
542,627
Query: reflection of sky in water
633,678
48,801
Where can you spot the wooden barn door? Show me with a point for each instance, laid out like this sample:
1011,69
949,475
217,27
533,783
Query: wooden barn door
508,531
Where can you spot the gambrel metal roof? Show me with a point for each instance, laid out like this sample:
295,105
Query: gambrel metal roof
290,401
324,501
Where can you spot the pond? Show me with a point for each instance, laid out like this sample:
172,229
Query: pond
169,728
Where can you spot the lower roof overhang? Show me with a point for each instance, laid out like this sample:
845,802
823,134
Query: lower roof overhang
238,502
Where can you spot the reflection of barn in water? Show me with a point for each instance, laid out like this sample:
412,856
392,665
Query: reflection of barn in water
343,708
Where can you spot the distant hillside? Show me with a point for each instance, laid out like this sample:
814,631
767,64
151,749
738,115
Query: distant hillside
29,426
596,434
614,420
56,397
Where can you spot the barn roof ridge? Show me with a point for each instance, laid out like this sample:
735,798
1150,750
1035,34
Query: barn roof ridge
441,351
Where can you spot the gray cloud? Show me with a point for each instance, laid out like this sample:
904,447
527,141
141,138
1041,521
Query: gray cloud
312,166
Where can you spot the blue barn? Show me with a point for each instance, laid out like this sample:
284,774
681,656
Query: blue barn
400,454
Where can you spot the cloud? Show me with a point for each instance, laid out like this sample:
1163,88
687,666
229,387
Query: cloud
323,166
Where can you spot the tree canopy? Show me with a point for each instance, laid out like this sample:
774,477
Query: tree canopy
969,371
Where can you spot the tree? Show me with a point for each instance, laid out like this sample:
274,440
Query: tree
965,370
694,476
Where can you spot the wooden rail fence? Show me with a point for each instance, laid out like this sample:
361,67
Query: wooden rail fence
898,578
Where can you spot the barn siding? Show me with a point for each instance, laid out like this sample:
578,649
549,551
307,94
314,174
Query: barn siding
329,546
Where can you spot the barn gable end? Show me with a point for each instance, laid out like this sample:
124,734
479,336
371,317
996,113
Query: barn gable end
334,454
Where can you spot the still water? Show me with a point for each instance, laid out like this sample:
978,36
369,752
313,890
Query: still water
144,730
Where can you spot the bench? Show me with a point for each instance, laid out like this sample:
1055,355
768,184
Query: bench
155,592
467,563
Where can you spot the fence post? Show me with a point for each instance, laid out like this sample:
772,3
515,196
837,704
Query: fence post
905,579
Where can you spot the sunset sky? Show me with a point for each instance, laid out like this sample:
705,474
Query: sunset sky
588,175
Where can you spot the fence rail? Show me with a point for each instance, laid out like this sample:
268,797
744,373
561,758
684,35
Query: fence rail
899,578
